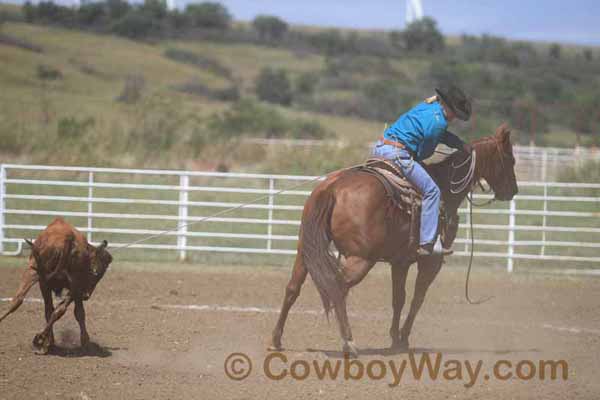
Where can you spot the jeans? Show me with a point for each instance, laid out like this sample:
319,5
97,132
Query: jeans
416,174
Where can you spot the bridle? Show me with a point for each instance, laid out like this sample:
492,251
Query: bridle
458,186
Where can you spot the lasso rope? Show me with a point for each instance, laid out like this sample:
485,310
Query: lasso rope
228,210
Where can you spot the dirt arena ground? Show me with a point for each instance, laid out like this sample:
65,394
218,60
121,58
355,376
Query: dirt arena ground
164,332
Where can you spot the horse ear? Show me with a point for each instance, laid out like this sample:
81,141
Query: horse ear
503,132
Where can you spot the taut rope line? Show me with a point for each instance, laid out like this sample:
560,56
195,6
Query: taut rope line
228,210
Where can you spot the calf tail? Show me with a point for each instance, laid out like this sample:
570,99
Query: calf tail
30,277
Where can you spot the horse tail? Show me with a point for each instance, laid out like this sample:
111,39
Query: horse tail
315,236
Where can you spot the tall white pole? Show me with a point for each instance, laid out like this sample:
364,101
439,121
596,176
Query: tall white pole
414,11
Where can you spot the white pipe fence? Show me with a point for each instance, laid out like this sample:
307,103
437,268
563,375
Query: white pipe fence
546,221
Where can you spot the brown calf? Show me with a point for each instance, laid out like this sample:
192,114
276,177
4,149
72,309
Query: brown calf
61,259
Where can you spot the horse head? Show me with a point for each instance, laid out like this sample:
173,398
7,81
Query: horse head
496,163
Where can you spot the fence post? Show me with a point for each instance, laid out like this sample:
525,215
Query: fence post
271,202
2,205
544,219
184,182
90,207
544,165
511,235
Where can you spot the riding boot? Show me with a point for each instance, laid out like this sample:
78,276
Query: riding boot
425,250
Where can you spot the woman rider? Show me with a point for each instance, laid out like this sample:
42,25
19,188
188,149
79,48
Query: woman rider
414,137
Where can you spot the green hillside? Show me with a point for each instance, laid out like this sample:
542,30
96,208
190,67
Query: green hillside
81,94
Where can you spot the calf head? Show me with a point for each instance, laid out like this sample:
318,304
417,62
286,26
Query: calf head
100,260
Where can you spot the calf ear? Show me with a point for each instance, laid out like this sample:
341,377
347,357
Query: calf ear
29,242
103,245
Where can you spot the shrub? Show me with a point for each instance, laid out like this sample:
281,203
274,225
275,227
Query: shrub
209,15
246,117
269,27
48,73
274,86
135,25
71,128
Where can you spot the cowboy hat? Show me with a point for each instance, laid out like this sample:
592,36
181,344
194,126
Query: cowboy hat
456,99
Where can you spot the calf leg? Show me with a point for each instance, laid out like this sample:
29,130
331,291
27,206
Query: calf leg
41,340
428,270
29,278
48,308
80,316
399,274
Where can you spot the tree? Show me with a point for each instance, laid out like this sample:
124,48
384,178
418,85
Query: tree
156,9
588,55
90,13
555,51
329,42
135,25
269,27
117,8
423,35
29,12
274,86
209,15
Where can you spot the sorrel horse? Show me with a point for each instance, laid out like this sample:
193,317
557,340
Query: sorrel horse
351,209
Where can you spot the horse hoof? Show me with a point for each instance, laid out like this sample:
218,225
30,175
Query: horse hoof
350,350
42,351
41,345
38,340
275,346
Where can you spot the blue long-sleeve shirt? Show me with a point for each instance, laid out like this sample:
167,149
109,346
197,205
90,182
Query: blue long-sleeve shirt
421,129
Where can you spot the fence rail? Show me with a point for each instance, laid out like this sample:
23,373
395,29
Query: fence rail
546,221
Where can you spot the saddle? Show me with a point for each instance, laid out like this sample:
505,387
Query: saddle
407,199
400,191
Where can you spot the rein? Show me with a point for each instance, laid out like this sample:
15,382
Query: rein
458,186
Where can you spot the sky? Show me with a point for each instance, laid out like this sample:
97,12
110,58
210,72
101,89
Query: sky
570,21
